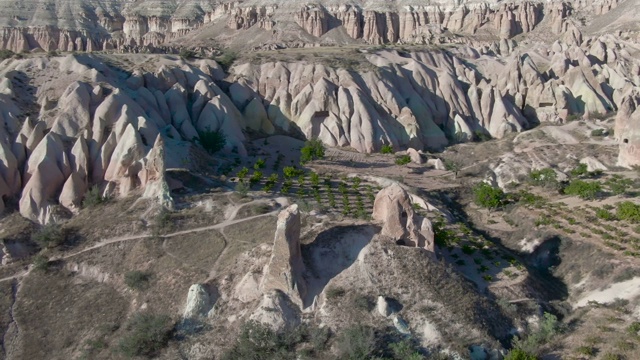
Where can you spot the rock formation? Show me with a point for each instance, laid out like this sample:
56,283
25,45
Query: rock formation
126,26
95,129
285,270
392,207
198,302
627,132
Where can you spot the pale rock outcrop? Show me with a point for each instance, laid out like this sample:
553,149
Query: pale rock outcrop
436,164
285,270
153,175
627,132
74,111
9,171
245,290
393,208
198,302
593,164
277,311
416,158
37,200
124,163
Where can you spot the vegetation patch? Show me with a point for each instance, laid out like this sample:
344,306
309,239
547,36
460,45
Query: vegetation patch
147,334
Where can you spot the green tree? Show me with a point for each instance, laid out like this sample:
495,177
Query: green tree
242,174
260,164
312,150
256,177
212,141
291,171
488,196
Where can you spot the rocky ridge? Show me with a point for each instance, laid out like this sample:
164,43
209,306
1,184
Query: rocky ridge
102,126
85,26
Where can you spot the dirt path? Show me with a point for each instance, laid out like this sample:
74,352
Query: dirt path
230,220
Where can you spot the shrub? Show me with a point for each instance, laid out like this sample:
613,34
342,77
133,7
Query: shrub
271,182
611,356
579,170
356,342
49,236
146,335
335,292
488,196
226,60
544,177
291,171
212,141
386,149
162,222
583,189
519,354
634,328
628,211
41,263
312,150
403,160
619,186
605,214
481,136
585,350
547,329
405,350
137,280
363,302
93,197
256,177
528,198
259,341
187,54
5,54
242,188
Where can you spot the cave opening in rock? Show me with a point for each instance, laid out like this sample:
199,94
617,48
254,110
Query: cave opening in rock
626,141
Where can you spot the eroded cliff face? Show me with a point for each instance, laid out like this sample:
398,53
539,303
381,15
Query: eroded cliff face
83,26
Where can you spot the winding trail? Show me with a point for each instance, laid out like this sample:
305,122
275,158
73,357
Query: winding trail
230,219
